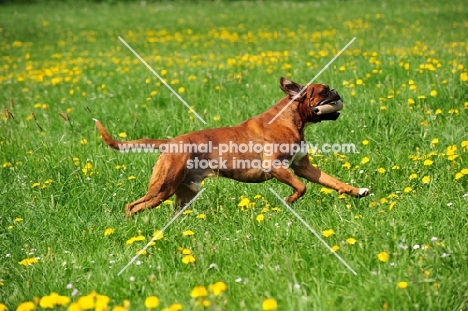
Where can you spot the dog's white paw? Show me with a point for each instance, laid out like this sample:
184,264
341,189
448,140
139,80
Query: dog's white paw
363,192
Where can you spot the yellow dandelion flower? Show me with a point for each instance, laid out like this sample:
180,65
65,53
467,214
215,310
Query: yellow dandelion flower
141,252
186,212
381,170
426,180
383,256
413,176
26,306
407,190
459,175
269,304
186,251
433,93
328,232
216,118
334,248
168,202
122,134
260,218
131,177
174,307
158,235
402,285
181,89
217,288
391,206
188,233
108,231
201,216
244,202
410,101
464,171
395,167
199,291
365,160
464,76
346,165
325,190
28,261
3,307
365,142
428,162
351,241
438,111
18,219
86,302
84,141
435,141
36,184
151,302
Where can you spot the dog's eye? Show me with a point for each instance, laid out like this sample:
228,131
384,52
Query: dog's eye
325,93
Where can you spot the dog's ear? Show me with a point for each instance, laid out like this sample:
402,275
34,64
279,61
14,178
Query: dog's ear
289,87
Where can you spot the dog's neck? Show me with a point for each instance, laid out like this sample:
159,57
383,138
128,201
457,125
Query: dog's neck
297,114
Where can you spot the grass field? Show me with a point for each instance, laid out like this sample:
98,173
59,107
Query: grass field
63,192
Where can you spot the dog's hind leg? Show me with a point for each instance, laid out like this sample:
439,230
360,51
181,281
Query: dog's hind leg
168,174
186,192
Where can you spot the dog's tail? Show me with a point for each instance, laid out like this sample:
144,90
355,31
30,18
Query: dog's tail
125,146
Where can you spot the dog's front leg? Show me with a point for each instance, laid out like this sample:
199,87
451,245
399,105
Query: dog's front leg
287,177
306,170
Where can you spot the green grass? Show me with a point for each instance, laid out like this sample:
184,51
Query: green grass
228,57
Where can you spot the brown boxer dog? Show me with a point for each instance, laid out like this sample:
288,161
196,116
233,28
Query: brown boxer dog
254,151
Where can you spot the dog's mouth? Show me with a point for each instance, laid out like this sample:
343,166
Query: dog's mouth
327,109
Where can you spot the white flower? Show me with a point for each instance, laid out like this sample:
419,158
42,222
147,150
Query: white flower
74,292
213,265
404,246
297,286
69,286
465,195
8,255
416,246
138,262
132,279
449,204
433,239
238,280
445,255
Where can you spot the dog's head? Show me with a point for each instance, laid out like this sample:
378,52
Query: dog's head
323,102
